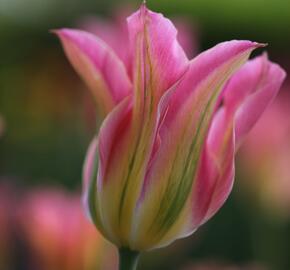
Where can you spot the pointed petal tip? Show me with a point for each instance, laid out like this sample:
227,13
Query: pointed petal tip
143,8
252,44
69,33
256,45
63,32
57,32
260,45
53,31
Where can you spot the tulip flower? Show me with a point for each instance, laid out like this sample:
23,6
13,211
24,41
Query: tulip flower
265,160
58,235
163,161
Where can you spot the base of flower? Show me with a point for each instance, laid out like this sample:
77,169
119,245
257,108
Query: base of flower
128,259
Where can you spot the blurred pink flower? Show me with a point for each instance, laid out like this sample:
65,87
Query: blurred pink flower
166,148
265,158
59,236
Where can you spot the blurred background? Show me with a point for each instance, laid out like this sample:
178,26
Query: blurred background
47,119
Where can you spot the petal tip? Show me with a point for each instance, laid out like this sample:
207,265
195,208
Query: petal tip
260,45
62,32
143,11
69,33
56,32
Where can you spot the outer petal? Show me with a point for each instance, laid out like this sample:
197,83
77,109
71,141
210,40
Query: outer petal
98,65
173,169
246,96
99,200
263,80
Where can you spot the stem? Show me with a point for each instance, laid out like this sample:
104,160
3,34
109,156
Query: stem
128,259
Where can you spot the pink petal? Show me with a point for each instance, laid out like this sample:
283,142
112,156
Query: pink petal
246,96
159,57
114,141
255,85
97,64
113,130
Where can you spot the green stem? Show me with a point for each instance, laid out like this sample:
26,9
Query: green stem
128,259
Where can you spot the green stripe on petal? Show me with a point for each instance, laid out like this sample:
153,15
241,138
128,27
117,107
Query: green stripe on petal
151,80
171,186
169,212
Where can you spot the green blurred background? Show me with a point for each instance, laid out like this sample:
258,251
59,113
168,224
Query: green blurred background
48,124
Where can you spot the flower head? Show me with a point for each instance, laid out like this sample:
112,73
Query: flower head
163,161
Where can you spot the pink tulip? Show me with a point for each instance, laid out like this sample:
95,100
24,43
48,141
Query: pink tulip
265,158
166,149
59,236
